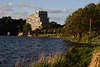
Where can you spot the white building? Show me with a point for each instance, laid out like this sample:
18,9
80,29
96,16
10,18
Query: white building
37,19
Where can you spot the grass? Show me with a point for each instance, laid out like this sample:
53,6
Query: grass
86,39
75,57
51,35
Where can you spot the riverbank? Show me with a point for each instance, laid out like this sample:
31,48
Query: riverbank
75,57
51,35
84,40
80,54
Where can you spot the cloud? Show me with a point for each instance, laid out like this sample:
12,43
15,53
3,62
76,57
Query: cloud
58,18
55,11
64,10
6,5
9,9
6,9
23,4
21,14
10,4
3,6
27,5
3,12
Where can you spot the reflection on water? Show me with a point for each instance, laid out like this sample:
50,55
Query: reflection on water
12,48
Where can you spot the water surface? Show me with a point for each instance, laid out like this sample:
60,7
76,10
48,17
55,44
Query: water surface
14,49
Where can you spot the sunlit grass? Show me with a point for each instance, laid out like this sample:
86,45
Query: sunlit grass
75,57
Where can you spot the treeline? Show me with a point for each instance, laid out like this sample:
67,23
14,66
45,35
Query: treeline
14,26
51,28
83,21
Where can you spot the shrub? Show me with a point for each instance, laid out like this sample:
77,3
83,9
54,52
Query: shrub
75,57
79,57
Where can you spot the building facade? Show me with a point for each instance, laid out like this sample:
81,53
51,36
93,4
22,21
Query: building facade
37,19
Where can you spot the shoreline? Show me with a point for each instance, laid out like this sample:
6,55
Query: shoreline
77,44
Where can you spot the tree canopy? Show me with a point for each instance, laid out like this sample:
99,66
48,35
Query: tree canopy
79,21
51,27
14,26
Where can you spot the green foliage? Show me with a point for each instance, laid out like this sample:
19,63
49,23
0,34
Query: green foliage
79,57
42,64
75,57
96,40
60,63
79,22
51,28
26,28
14,26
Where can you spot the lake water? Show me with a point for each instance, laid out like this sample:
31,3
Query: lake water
15,49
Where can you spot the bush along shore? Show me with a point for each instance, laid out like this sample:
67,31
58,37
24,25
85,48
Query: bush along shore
75,57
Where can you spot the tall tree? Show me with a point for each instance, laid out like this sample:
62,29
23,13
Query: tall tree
79,21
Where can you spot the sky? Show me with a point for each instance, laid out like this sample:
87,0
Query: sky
58,10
